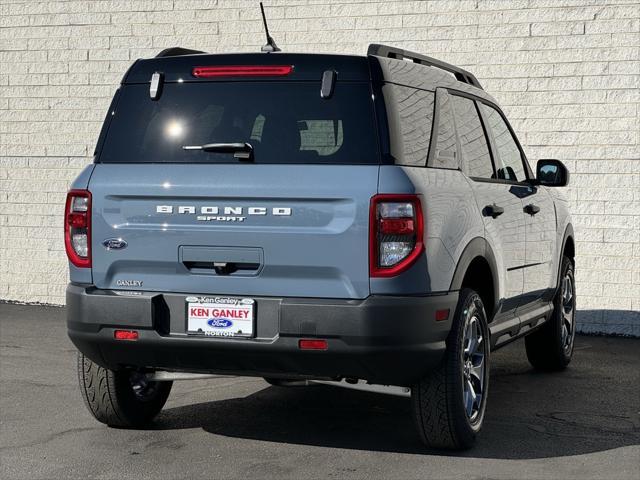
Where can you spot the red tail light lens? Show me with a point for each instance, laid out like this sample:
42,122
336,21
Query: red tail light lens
77,228
243,71
395,234
78,220
397,226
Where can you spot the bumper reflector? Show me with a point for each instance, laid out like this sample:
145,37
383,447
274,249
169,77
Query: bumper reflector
125,335
442,315
308,344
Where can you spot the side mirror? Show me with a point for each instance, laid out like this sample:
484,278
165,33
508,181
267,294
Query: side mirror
552,173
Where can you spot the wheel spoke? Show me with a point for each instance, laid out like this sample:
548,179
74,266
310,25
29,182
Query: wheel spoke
477,369
567,293
568,328
473,336
468,403
466,340
568,320
470,398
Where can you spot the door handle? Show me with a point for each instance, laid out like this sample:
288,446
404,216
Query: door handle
531,209
493,211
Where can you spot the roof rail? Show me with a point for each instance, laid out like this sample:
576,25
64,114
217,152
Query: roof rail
398,53
177,51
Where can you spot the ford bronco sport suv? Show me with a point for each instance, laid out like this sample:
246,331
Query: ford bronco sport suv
370,220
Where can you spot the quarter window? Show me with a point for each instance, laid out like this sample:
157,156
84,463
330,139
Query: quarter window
475,150
509,164
410,133
445,154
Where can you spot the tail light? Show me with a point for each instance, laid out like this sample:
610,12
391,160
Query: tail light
77,228
395,234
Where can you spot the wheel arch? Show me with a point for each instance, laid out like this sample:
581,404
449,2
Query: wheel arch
569,249
477,259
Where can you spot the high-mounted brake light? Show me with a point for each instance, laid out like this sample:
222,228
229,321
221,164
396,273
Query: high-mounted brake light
243,71
395,234
77,228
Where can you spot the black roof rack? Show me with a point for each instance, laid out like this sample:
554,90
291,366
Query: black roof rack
398,53
177,51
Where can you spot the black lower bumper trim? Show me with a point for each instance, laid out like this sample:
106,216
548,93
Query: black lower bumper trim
382,339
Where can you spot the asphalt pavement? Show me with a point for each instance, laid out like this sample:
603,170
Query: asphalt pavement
579,424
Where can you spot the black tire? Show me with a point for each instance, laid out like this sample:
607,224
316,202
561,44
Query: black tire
110,396
550,348
438,399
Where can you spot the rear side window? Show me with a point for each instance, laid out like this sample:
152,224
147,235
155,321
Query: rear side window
410,115
509,164
285,122
445,154
475,150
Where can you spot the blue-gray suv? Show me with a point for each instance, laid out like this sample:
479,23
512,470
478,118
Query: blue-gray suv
370,220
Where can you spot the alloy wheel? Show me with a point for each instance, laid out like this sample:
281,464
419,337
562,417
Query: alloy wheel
568,312
473,367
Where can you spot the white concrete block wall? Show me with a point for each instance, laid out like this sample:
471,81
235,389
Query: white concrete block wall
566,71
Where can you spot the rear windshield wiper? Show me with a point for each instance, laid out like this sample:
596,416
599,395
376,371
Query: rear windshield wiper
241,151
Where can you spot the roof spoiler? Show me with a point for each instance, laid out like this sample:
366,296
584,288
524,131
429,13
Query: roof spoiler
461,74
177,52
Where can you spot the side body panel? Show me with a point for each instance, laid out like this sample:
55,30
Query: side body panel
541,232
505,235
564,229
451,221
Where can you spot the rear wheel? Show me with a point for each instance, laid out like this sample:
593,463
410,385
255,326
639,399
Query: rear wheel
551,347
123,398
449,403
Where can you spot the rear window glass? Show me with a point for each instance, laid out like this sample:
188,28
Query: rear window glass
285,122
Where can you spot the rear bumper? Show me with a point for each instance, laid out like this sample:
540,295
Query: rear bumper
383,339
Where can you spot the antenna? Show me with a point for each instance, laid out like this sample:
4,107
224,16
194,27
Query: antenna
270,46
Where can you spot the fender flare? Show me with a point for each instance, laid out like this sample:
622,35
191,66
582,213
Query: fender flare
477,247
568,234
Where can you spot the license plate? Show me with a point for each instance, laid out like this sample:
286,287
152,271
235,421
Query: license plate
220,316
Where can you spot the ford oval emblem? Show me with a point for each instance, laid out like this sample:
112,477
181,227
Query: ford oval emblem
219,322
114,244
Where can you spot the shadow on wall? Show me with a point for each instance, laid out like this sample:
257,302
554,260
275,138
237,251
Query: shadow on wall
530,414
617,322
